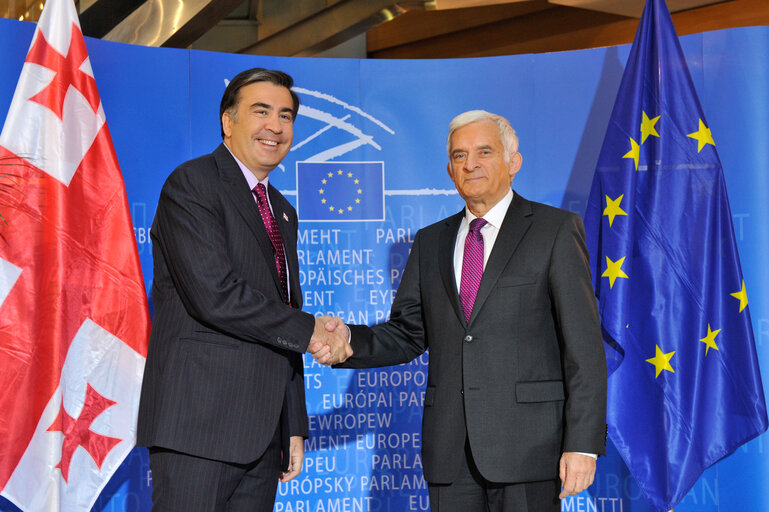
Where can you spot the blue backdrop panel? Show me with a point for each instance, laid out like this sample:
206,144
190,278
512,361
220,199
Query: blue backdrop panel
145,93
14,40
736,103
162,107
567,150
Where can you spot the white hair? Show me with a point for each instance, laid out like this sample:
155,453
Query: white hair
507,135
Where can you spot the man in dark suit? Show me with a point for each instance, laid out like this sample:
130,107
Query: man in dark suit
501,294
222,404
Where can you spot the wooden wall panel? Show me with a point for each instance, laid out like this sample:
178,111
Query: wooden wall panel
543,29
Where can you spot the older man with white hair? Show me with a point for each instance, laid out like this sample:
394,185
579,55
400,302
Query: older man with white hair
501,294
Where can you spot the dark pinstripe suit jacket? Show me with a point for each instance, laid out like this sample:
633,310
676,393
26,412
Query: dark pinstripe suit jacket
224,366
525,378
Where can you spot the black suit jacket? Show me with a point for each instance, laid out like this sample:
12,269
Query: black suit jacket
224,365
525,378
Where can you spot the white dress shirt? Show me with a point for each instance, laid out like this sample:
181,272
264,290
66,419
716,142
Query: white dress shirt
494,218
252,183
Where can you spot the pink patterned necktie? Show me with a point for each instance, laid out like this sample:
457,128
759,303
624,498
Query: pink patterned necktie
472,266
274,233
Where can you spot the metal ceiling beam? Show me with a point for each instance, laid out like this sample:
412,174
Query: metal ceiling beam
266,18
301,27
229,36
172,23
330,27
463,4
103,15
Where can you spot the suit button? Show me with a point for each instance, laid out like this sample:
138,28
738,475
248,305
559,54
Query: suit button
468,339
461,391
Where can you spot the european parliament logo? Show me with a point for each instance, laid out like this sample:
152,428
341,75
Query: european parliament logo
340,191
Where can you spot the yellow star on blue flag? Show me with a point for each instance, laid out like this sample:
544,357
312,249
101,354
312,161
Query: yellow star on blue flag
742,296
613,208
702,136
647,127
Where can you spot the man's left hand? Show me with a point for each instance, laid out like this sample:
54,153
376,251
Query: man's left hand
295,458
577,472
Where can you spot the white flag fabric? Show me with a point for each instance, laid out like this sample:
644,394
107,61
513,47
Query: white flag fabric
74,322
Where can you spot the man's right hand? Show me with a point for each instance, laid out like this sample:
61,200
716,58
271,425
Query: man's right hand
330,341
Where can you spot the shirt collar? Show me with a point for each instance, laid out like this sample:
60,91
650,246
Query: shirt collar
496,215
250,178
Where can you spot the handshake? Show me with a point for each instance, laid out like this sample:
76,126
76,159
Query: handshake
330,341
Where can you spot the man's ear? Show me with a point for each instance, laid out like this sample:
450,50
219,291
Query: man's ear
516,161
227,124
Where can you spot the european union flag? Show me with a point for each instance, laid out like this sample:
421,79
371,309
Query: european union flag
340,191
685,390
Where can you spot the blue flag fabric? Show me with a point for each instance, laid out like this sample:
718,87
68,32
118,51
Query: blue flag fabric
340,191
684,387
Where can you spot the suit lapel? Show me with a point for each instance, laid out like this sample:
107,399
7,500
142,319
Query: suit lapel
243,201
446,242
514,227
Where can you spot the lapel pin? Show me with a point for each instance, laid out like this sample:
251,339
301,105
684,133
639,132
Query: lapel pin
285,217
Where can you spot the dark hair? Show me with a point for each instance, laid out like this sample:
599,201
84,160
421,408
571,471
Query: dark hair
230,98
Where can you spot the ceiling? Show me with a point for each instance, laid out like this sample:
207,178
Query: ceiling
389,28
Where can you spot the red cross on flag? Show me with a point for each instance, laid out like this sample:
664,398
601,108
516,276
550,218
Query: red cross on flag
74,322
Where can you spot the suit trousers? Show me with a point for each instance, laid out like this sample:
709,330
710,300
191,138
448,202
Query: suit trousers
470,492
195,484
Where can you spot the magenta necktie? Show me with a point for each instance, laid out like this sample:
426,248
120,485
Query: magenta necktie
273,232
472,266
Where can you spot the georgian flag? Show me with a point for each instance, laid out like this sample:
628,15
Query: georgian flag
74,322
